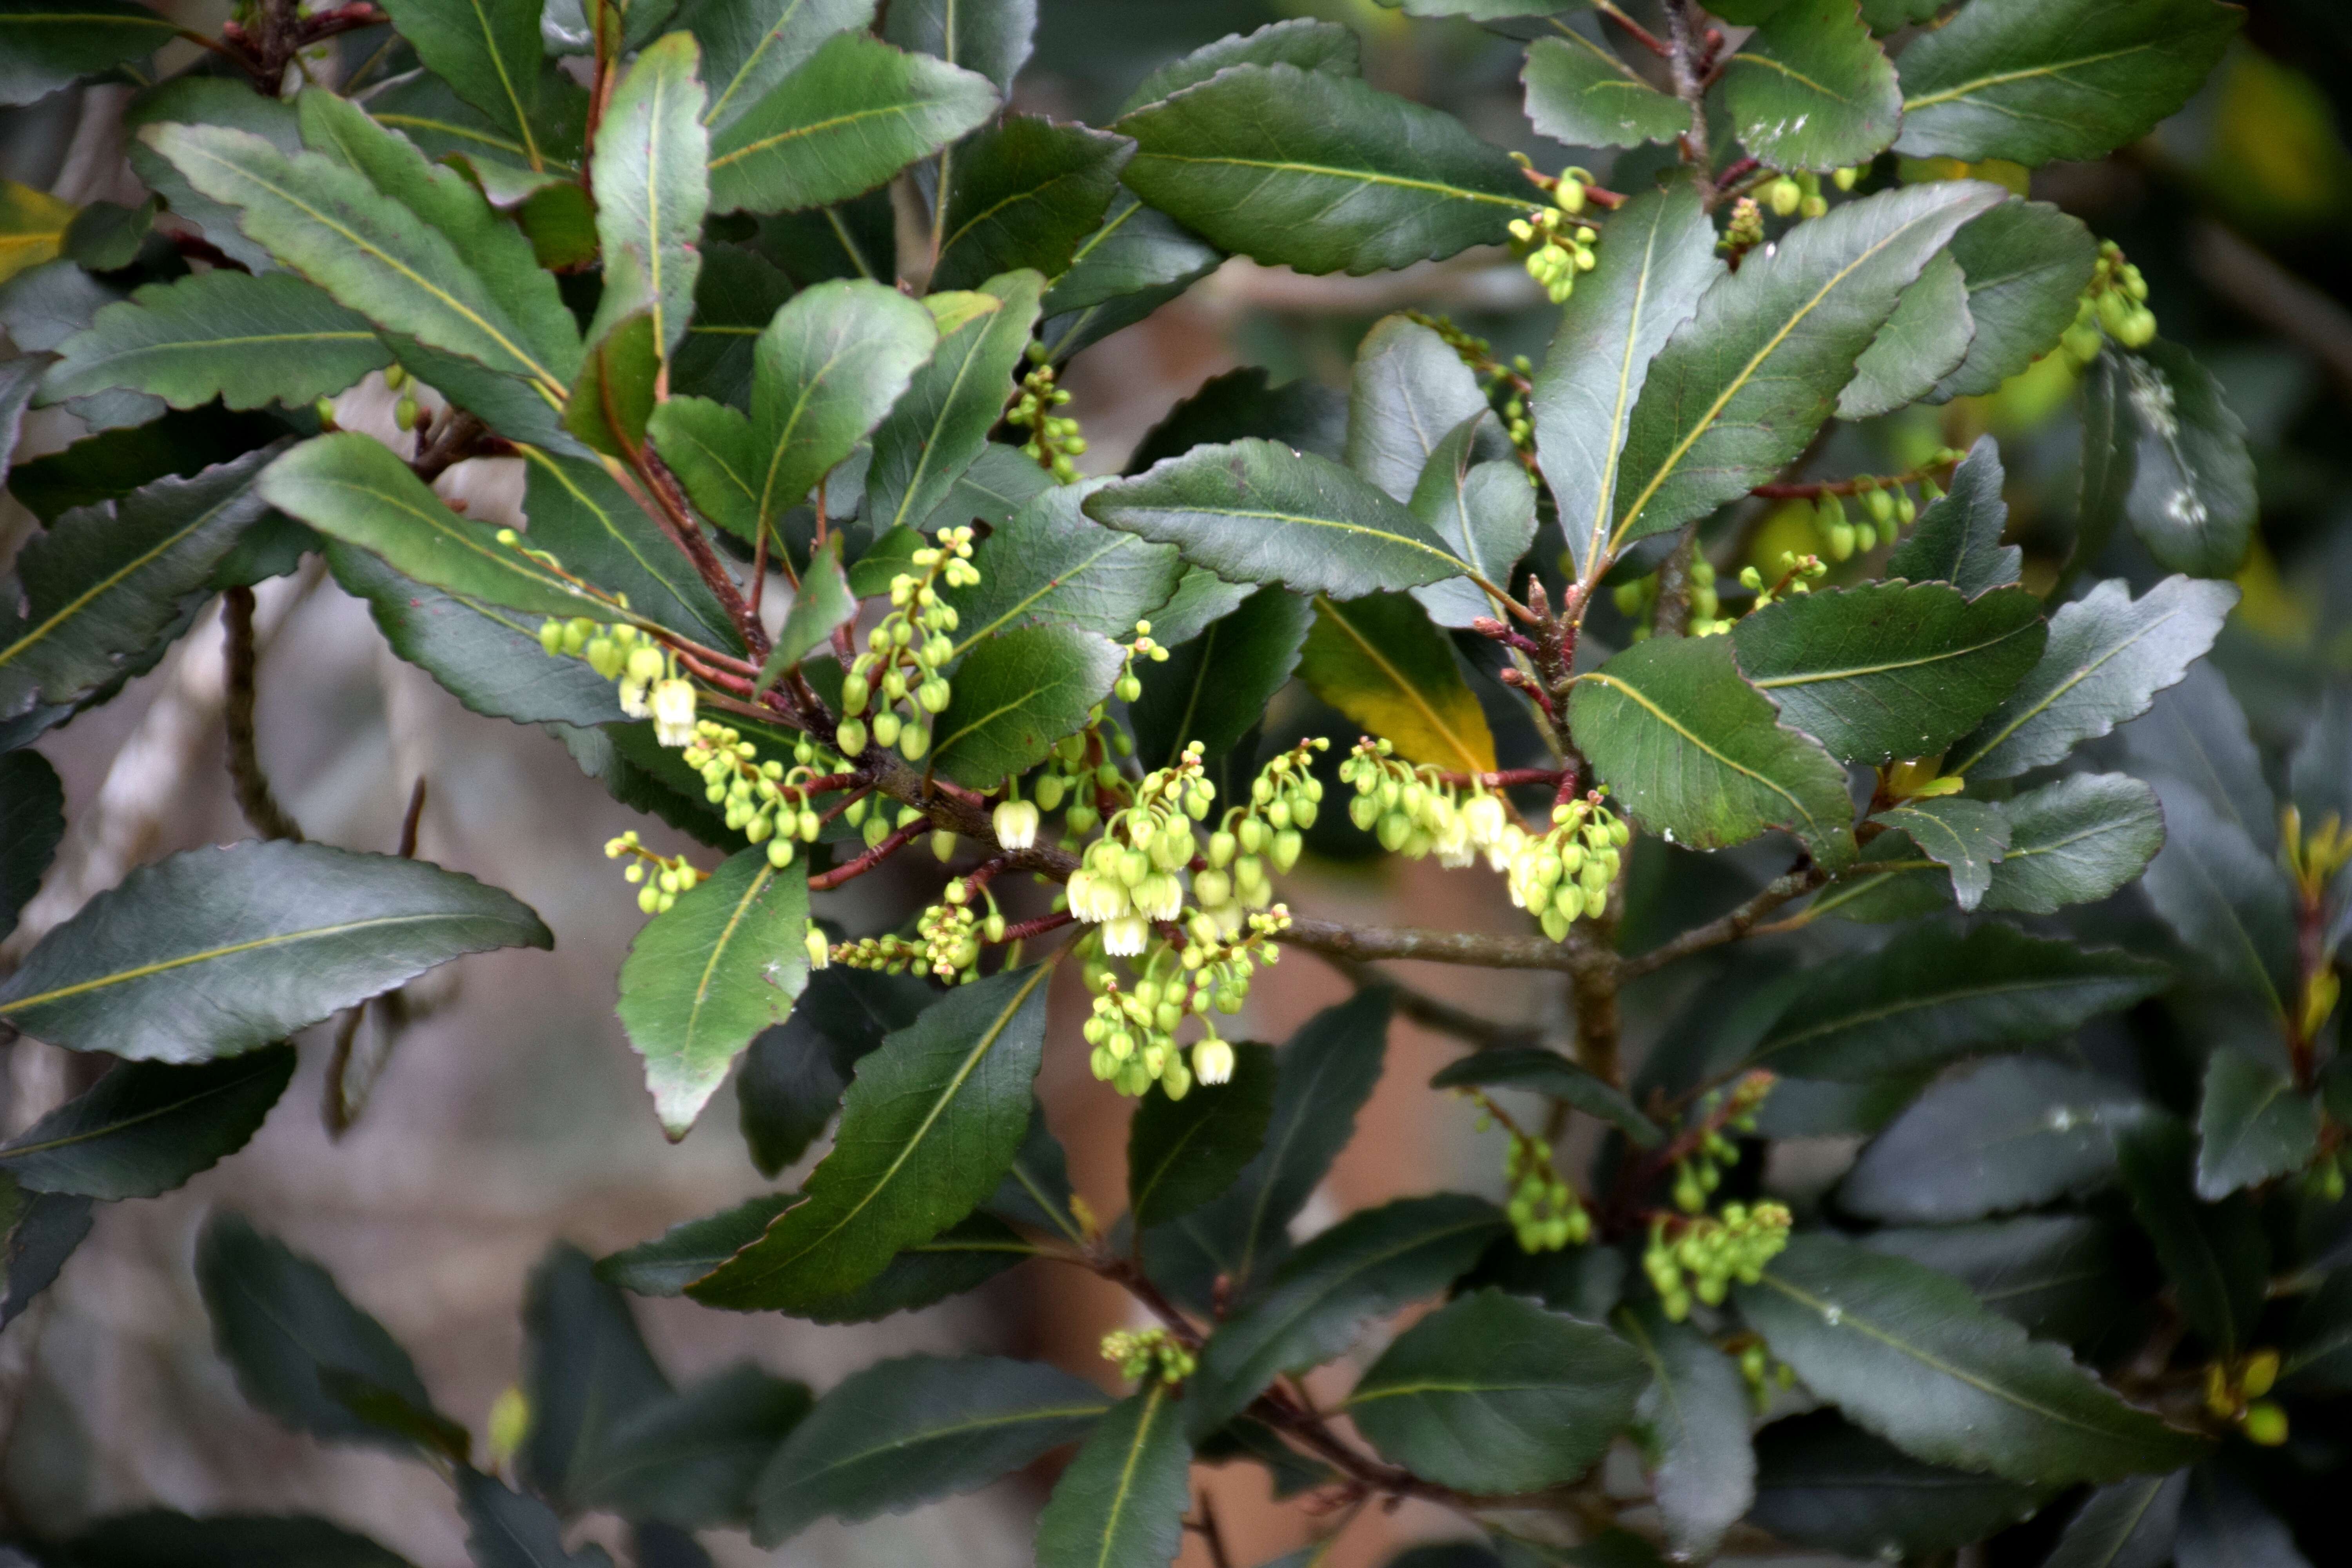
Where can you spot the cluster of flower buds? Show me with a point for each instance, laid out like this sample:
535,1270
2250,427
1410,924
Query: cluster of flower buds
1054,443
1799,195
664,877
1762,1374
1566,874
871,816
764,801
1887,508
1544,1210
1133,1026
1416,812
647,681
2234,1390
951,935
1743,231
1081,775
1702,1256
1556,245
405,412
1148,1353
907,655
1268,830
1798,574
886,954
2113,305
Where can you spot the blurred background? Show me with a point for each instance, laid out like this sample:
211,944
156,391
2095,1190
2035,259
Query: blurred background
510,1113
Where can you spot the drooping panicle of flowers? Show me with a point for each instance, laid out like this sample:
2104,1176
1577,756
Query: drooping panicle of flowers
764,801
1566,874
902,675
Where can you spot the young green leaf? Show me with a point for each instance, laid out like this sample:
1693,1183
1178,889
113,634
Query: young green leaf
846,118
2013,1133
1369,1264
102,583
725,961
1811,88
1908,1354
1259,511
32,820
1051,564
144,1129
286,1331
2027,265
1318,172
903,1431
1124,1495
1957,538
926,1129
652,186
2252,1125
1380,661
1301,41
1932,996
1491,1394
1698,755
1410,391
586,1372
213,951
1660,259
1581,93
1890,669
1692,1421
353,488
1323,1075
692,1459
1023,193
749,46
940,425
245,340
1967,837
2107,657
489,50
1923,341
1744,383
45,46
1547,1072
1017,694
2035,80
1824,1483
1214,687
1181,1153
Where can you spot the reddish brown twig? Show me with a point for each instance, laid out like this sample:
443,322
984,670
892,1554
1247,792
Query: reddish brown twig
898,840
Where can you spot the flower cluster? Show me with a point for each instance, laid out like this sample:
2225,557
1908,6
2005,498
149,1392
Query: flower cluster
1798,574
665,876
1133,1026
1053,441
1148,1353
648,682
1699,1174
1566,873
1544,1209
1415,812
1706,1254
907,654
764,801
1558,246
2113,305
1128,878
889,954
1887,510
1799,195
952,934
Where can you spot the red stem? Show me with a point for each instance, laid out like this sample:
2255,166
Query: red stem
866,862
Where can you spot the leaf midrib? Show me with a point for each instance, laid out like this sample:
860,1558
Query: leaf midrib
16,1004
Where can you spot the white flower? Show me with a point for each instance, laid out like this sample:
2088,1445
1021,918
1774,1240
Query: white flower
1125,936
1095,897
632,694
1213,1061
820,954
1482,818
1160,895
1015,822
672,711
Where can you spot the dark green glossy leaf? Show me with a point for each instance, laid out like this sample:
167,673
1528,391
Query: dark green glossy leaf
214,952
2074,841
1932,996
2054,1275
1181,1153
703,977
38,1231
935,1115
586,1374
692,1460
2129,1524
2191,496
652,186
247,340
144,1129
1485,512
1540,1071
580,515
737,296
1698,755
1825,1484
1051,564
1302,415
905,1431
1660,260
1024,192
2252,1125
102,583
1409,392
2228,902
846,118
32,820
507,1529
1301,41
2032,81
1693,1420
1017,694
1967,837
684,1253
1492,1394
45,46
991,36
937,429
1215,688
2197,734
489,52
1318,172
961,1257
2013,1133
1908,1354
1380,661
1124,1495
1137,256
1740,388
793,1075
1323,1075
1811,88
2027,265
1581,93
749,46
2317,1352
284,1328
1890,669
1368,1265
2215,1254
153,1537
1922,343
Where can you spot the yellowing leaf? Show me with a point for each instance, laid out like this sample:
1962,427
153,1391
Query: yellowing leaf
32,227
1378,661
